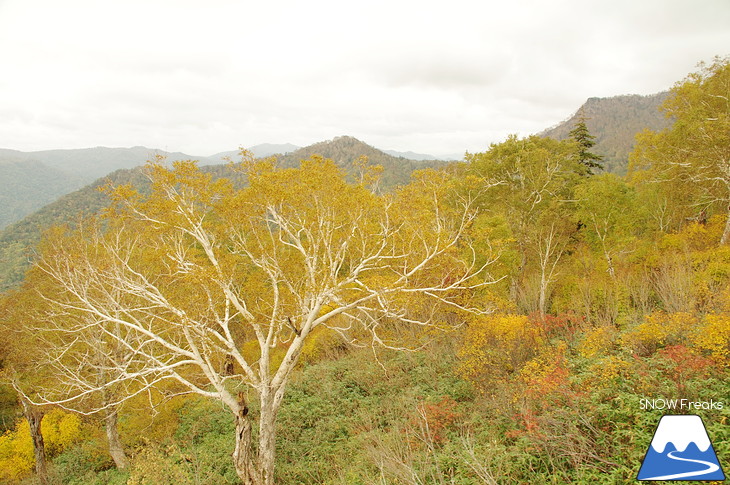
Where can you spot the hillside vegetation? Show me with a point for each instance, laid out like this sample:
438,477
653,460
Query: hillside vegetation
346,151
29,185
516,318
615,122
18,240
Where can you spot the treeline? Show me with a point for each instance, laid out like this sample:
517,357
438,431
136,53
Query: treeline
512,311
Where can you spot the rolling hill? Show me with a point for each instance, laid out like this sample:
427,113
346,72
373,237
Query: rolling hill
614,122
345,150
30,180
18,239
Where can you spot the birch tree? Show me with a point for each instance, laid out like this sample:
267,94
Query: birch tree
690,160
215,289
607,207
533,180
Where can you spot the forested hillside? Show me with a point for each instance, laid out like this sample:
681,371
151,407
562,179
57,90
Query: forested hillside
29,185
346,151
18,240
31,180
517,317
615,122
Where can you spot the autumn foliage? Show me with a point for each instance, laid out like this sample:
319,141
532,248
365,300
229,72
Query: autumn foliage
502,320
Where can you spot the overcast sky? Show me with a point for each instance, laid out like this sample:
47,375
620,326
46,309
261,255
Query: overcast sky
440,77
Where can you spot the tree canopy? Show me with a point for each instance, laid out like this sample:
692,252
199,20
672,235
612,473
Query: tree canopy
692,157
215,290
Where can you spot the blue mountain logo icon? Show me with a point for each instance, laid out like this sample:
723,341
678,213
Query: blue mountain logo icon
681,450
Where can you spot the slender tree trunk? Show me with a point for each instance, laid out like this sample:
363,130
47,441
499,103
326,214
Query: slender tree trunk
267,440
115,444
726,233
34,415
542,300
243,459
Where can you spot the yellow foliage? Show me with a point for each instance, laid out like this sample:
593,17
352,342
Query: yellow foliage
712,278
320,343
157,464
597,341
60,430
695,236
723,300
545,377
605,371
16,453
714,337
660,329
137,424
498,344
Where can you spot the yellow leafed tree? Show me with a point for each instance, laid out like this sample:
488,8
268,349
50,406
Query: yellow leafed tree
217,289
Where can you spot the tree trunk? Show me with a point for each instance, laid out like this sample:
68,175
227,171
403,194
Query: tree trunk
256,468
243,459
542,300
726,233
115,444
267,441
34,416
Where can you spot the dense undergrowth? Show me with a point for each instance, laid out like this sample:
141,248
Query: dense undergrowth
572,414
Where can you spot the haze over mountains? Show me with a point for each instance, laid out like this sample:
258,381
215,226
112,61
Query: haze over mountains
31,180
64,183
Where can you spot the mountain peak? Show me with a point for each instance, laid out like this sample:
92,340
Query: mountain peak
345,150
615,121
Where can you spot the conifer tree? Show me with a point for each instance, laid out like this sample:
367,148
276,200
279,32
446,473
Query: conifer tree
585,141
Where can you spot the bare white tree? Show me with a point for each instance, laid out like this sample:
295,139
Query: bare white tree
217,289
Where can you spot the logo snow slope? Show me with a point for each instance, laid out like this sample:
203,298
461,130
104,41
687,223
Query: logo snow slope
681,450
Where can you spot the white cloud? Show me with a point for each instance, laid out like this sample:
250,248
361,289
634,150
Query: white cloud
436,77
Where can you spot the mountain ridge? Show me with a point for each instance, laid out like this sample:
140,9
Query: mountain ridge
18,238
615,121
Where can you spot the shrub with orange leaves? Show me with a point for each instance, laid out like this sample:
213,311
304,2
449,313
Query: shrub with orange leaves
685,364
546,377
562,325
434,420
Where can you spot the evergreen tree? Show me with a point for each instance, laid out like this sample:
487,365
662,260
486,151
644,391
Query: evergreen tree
585,142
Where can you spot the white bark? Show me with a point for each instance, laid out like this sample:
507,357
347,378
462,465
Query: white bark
323,269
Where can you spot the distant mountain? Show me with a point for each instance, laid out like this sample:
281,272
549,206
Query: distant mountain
92,163
27,185
18,239
422,157
268,149
615,122
30,180
345,150
259,151
411,155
